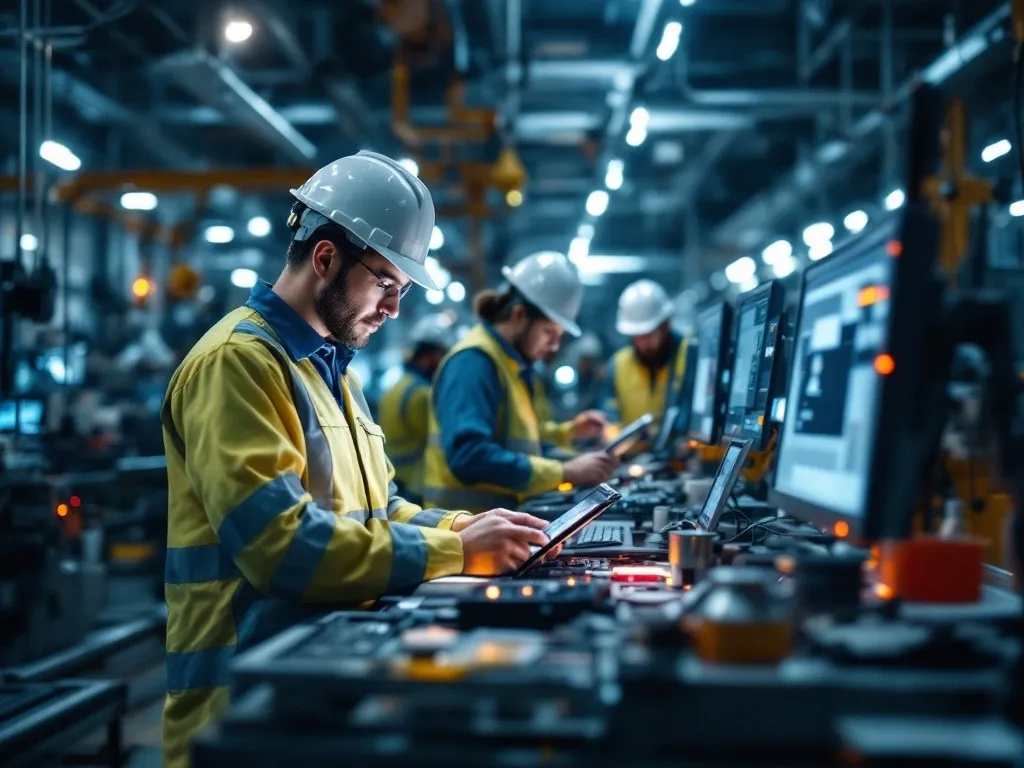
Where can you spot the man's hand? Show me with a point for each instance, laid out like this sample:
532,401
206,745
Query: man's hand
519,518
493,544
589,469
589,425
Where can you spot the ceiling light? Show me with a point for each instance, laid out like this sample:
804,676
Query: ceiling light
636,136
718,281
669,41
749,283
741,269
820,250
456,291
1016,209
895,199
784,266
29,242
435,297
138,201
219,234
237,31
437,273
586,229
597,202
613,177
57,154
639,118
565,375
436,238
514,198
410,165
855,221
996,150
818,233
243,278
579,248
780,249
259,226
686,3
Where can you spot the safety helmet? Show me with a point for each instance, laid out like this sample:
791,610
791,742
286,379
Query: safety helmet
643,306
435,330
549,282
380,205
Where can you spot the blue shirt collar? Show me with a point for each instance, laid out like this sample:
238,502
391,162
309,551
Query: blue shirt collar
299,338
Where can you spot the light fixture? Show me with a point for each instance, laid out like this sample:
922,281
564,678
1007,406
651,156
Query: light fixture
436,238
636,136
743,268
456,291
613,176
29,242
749,283
57,154
686,3
855,221
818,233
639,117
669,41
820,250
243,278
138,201
259,226
237,31
438,274
780,249
784,266
597,202
514,198
219,234
1016,209
410,165
996,150
895,199
565,375
586,229
579,248
435,297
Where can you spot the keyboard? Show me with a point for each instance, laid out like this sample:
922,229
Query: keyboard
601,535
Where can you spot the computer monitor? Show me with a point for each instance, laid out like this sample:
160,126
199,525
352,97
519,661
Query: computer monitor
676,419
714,326
26,415
756,368
851,447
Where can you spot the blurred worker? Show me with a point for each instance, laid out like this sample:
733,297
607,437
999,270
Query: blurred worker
280,494
405,408
654,364
590,372
485,437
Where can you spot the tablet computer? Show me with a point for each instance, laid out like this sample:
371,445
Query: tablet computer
629,436
593,504
724,482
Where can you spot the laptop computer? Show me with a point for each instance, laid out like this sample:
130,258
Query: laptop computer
722,484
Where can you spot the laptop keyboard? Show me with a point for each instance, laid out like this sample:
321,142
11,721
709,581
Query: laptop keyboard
608,534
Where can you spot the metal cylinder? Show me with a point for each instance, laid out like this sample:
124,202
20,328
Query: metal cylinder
690,553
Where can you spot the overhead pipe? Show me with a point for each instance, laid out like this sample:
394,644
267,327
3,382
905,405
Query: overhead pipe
809,175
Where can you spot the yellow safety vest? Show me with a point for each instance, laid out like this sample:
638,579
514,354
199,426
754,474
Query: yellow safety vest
635,392
280,505
517,430
405,418
555,437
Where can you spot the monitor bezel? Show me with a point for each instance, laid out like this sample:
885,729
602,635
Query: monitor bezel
725,323
915,299
776,311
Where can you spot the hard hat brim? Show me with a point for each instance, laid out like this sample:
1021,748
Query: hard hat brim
626,328
570,326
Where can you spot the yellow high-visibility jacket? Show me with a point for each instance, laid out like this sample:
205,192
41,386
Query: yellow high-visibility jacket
636,392
404,412
280,504
555,437
517,430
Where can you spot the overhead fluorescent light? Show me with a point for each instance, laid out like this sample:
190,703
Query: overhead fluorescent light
259,226
636,136
219,234
748,283
435,297
597,202
820,250
686,3
669,41
818,233
613,176
57,154
138,201
1016,209
456,291
741,269
243,278
565,375
780,249
895,199
784,266
639,117
237,31
996,150
29,242
579,248
855,221
436,238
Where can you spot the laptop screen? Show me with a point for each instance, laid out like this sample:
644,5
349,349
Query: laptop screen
722,485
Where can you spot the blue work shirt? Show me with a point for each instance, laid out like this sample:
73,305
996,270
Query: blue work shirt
466,400
300,340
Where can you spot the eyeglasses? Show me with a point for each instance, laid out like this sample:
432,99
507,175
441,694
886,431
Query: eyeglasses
385,283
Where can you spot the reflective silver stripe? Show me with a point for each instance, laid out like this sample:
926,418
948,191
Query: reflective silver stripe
319,465
428,518
362,515
249,518
465,498
409,557
199,669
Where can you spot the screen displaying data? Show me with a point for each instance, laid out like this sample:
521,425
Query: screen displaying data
706,382
829,427
721,487
750,383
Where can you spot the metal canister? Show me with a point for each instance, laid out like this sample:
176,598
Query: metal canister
691,555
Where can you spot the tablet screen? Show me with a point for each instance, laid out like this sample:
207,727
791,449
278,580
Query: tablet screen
629,435
596,502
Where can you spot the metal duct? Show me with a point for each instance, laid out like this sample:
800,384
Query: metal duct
216,84
755,218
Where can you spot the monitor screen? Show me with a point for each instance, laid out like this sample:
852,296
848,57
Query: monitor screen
825,454
713,326
722,485
752,382
27,415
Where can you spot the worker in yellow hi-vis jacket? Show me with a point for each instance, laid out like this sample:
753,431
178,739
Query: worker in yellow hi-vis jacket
281,500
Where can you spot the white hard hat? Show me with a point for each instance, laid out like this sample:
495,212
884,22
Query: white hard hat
643,306
549,282
435,330
379,203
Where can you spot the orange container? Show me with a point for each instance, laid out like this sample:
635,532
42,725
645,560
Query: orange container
927,569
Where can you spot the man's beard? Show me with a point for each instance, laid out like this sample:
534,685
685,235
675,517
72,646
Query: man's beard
657,358
340,314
